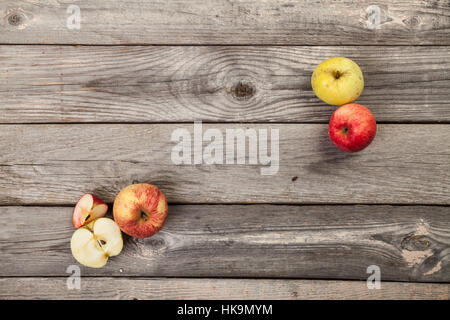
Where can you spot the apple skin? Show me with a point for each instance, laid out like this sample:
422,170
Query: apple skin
140,210
352,127
337,81
84,215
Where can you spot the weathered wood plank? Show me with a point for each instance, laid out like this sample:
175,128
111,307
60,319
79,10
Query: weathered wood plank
41,84
227,22
234,289
408,243
55,164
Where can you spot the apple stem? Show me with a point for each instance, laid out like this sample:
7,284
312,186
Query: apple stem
144,216
344,131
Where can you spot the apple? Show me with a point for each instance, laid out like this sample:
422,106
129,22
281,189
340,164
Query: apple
87,209
94,243
140,210
337,81
352,127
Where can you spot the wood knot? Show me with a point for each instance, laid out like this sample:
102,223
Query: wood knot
414,242
243,91
157,243
412,22
16,19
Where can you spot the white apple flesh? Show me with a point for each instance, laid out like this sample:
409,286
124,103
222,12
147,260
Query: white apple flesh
87,209
94,243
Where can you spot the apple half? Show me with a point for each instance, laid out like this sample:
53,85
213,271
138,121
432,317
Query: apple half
87,209
94,243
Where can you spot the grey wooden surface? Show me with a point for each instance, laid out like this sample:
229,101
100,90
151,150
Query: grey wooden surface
408,243
242,22
54,164
236,289
92,110
182,84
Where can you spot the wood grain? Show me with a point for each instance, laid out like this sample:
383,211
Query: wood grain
219,61
407,243
42,84
228,289
242,22
55,164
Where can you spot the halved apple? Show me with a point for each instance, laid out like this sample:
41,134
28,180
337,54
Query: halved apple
94,243
87,209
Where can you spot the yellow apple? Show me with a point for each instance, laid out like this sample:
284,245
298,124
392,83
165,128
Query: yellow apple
337,81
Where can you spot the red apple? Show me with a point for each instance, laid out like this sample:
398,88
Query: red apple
352,127
140,210
87,209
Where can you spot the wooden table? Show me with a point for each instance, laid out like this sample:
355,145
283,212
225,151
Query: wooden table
93,110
